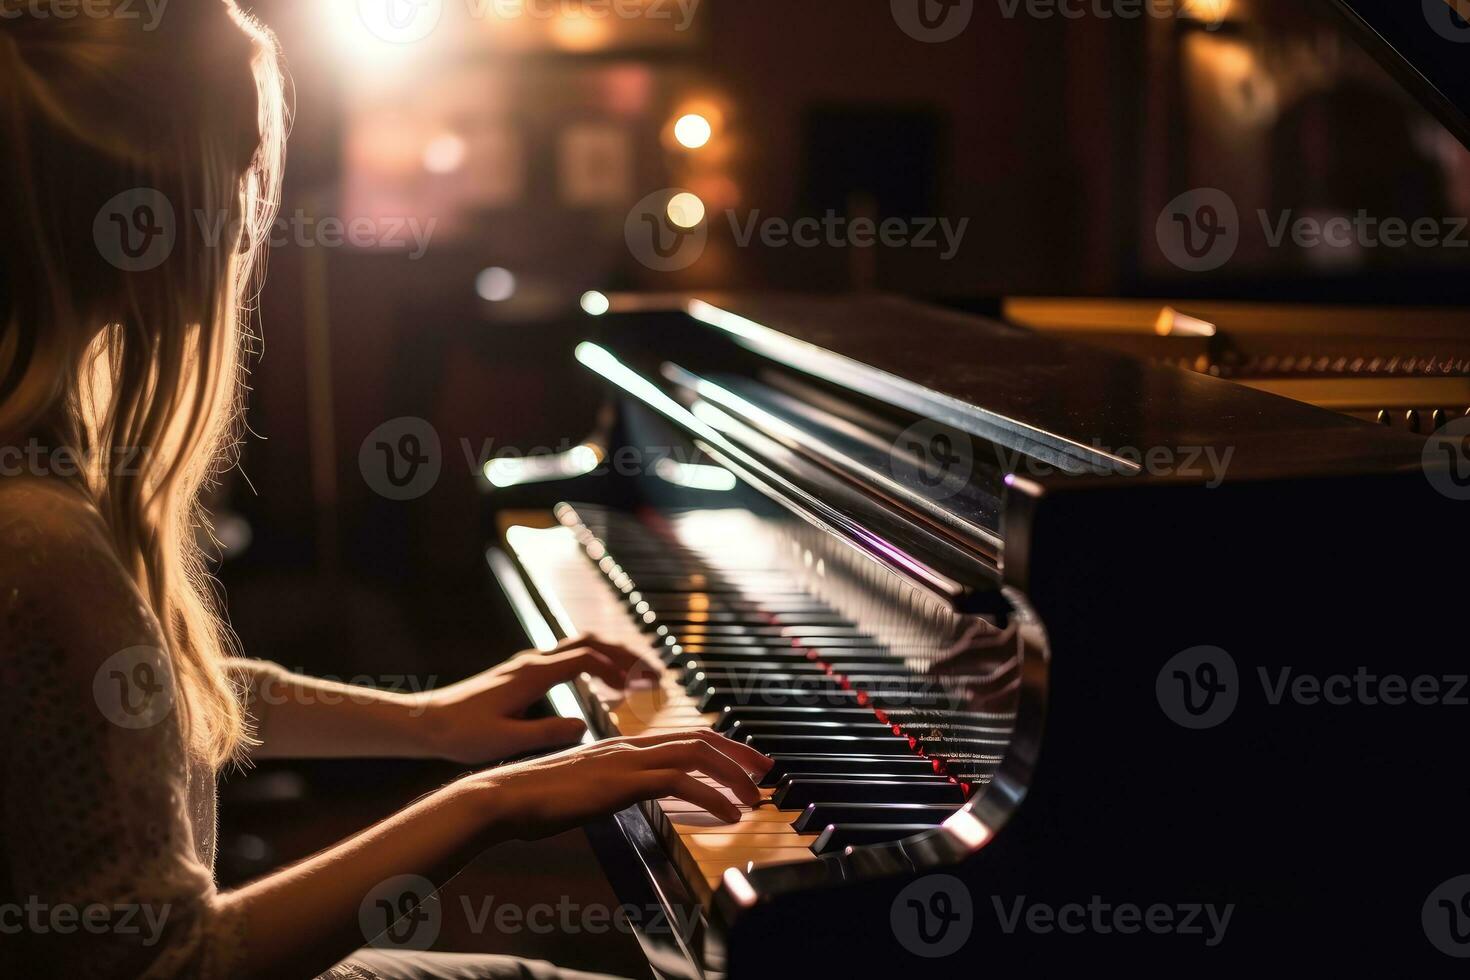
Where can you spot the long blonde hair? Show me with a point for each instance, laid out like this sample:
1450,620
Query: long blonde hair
139,180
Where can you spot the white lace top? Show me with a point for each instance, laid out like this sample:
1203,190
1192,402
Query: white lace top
108,830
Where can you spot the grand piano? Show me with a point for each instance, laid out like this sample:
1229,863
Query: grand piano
1067,652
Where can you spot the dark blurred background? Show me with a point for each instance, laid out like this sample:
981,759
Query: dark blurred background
517,136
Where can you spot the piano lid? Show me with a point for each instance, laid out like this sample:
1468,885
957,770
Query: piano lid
1029,393
1425,44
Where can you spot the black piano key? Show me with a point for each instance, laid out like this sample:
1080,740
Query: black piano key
754,666
730,716
819,816
800,792
859,777
840,836
888,744
795,712
964,747
837,658
676,602
752,618
917,718
787,764
818,643
708,585
740,729
718,698
709,631
816,680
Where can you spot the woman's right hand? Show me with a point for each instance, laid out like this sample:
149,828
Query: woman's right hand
542,797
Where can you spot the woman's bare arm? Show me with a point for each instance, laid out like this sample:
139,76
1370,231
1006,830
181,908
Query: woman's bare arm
305,918
479,719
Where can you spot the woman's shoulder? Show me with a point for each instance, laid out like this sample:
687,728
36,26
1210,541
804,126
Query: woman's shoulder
50,529
61,583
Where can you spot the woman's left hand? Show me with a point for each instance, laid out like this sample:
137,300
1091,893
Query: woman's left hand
480,719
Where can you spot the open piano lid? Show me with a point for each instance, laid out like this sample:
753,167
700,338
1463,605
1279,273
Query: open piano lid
1425,44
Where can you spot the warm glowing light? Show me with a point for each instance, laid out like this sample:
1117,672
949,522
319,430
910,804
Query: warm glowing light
595,303
514,471
693,131
575,30
1211,12
968,828
694,476
1174,323
495,285
445,154
686,210
378,35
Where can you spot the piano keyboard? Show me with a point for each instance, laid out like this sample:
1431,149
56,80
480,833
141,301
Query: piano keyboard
749,651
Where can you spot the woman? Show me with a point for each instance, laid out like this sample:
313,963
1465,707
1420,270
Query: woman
120,374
